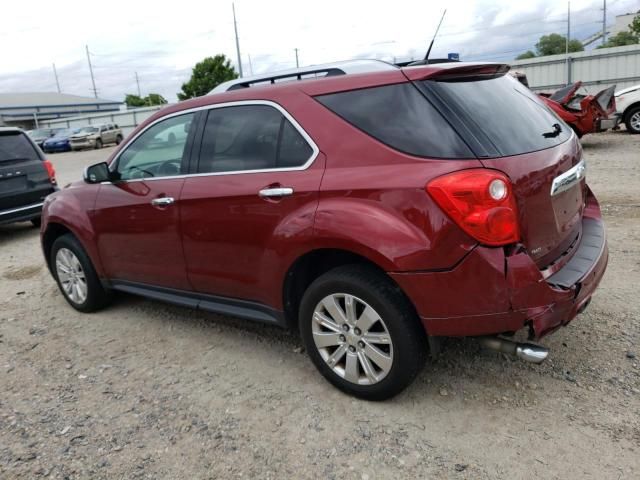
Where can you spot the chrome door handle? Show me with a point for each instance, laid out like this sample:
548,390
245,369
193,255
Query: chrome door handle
275,192
162,201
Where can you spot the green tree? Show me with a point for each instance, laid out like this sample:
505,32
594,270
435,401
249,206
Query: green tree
555,44
154,99
634,27
620,39
525,55
206,75
133,100
148,101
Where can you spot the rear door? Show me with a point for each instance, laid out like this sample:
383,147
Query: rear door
136,218
255,193
23,177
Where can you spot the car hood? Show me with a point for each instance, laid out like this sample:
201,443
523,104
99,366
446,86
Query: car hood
627,90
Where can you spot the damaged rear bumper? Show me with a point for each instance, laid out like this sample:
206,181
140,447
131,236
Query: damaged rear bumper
491,293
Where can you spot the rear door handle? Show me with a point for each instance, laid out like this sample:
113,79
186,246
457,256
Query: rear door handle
162,201
276,192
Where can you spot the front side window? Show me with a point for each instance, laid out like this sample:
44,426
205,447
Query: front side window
251,137
158,152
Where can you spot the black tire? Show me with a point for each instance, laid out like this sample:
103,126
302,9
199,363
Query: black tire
36,222
407,334
628,117
98,144
118,139
97,297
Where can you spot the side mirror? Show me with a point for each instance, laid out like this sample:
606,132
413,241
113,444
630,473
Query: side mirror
97,173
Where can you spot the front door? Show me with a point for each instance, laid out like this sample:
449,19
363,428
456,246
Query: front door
255,195
137,217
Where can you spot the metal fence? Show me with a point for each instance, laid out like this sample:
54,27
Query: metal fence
597,69
127,120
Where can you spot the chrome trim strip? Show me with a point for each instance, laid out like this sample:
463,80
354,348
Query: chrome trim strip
568,179
287,115
28,207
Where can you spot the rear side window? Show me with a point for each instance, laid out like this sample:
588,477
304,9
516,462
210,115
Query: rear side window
15,146
504,113
400,117
250,137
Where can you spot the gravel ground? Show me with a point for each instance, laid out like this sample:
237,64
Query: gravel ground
147,390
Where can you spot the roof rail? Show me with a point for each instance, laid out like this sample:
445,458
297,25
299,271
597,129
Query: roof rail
314,71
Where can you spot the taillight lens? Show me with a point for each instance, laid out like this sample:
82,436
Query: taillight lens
481,202
50,171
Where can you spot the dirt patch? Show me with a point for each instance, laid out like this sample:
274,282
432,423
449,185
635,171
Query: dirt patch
22,273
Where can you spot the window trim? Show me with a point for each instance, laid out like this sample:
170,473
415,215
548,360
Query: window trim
314,154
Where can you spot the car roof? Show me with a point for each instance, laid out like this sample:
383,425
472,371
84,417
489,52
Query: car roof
386,75
11,129
346,67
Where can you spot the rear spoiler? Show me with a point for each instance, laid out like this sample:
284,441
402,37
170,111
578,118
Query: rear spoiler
457,72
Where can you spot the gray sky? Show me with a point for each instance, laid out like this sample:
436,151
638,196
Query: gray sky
163,40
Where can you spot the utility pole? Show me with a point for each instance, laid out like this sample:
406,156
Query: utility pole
297,63
604,22
93,81
235,27
250,64
55,74
567,61
138,83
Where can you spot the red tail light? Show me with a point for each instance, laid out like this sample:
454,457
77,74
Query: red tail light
50,171
481,202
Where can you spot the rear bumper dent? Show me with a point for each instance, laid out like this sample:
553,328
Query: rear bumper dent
490,293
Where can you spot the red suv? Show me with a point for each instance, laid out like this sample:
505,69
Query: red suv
374,211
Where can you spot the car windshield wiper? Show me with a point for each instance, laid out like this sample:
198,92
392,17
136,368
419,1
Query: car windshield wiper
556,131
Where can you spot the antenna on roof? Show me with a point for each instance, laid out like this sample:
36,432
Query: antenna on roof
426,57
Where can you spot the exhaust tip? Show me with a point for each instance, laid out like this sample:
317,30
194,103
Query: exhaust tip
531,353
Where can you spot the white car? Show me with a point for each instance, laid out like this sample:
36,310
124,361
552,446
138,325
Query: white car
628,107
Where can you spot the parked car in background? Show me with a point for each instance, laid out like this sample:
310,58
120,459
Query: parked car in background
584,113
41,134
60,142
373,207
96,136
26,177
628,108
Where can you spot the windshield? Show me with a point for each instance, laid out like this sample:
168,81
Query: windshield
66,132
503,114
88,130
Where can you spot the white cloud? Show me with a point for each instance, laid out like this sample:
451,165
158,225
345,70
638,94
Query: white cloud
162,41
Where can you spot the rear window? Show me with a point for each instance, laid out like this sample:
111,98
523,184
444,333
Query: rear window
15,146
400,117
503,112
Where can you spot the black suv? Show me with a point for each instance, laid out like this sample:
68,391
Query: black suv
26,177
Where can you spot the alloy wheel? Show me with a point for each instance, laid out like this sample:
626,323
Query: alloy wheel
352,339
634,121
71,276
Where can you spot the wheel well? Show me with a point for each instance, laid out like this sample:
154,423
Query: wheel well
54,231
309,267
627,110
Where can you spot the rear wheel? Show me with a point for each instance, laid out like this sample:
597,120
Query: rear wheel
76,277
98,143
361,332
36,222
633,120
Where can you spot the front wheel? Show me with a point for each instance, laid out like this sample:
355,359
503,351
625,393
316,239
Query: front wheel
633,121
76,277
118,139
362,333
98,144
